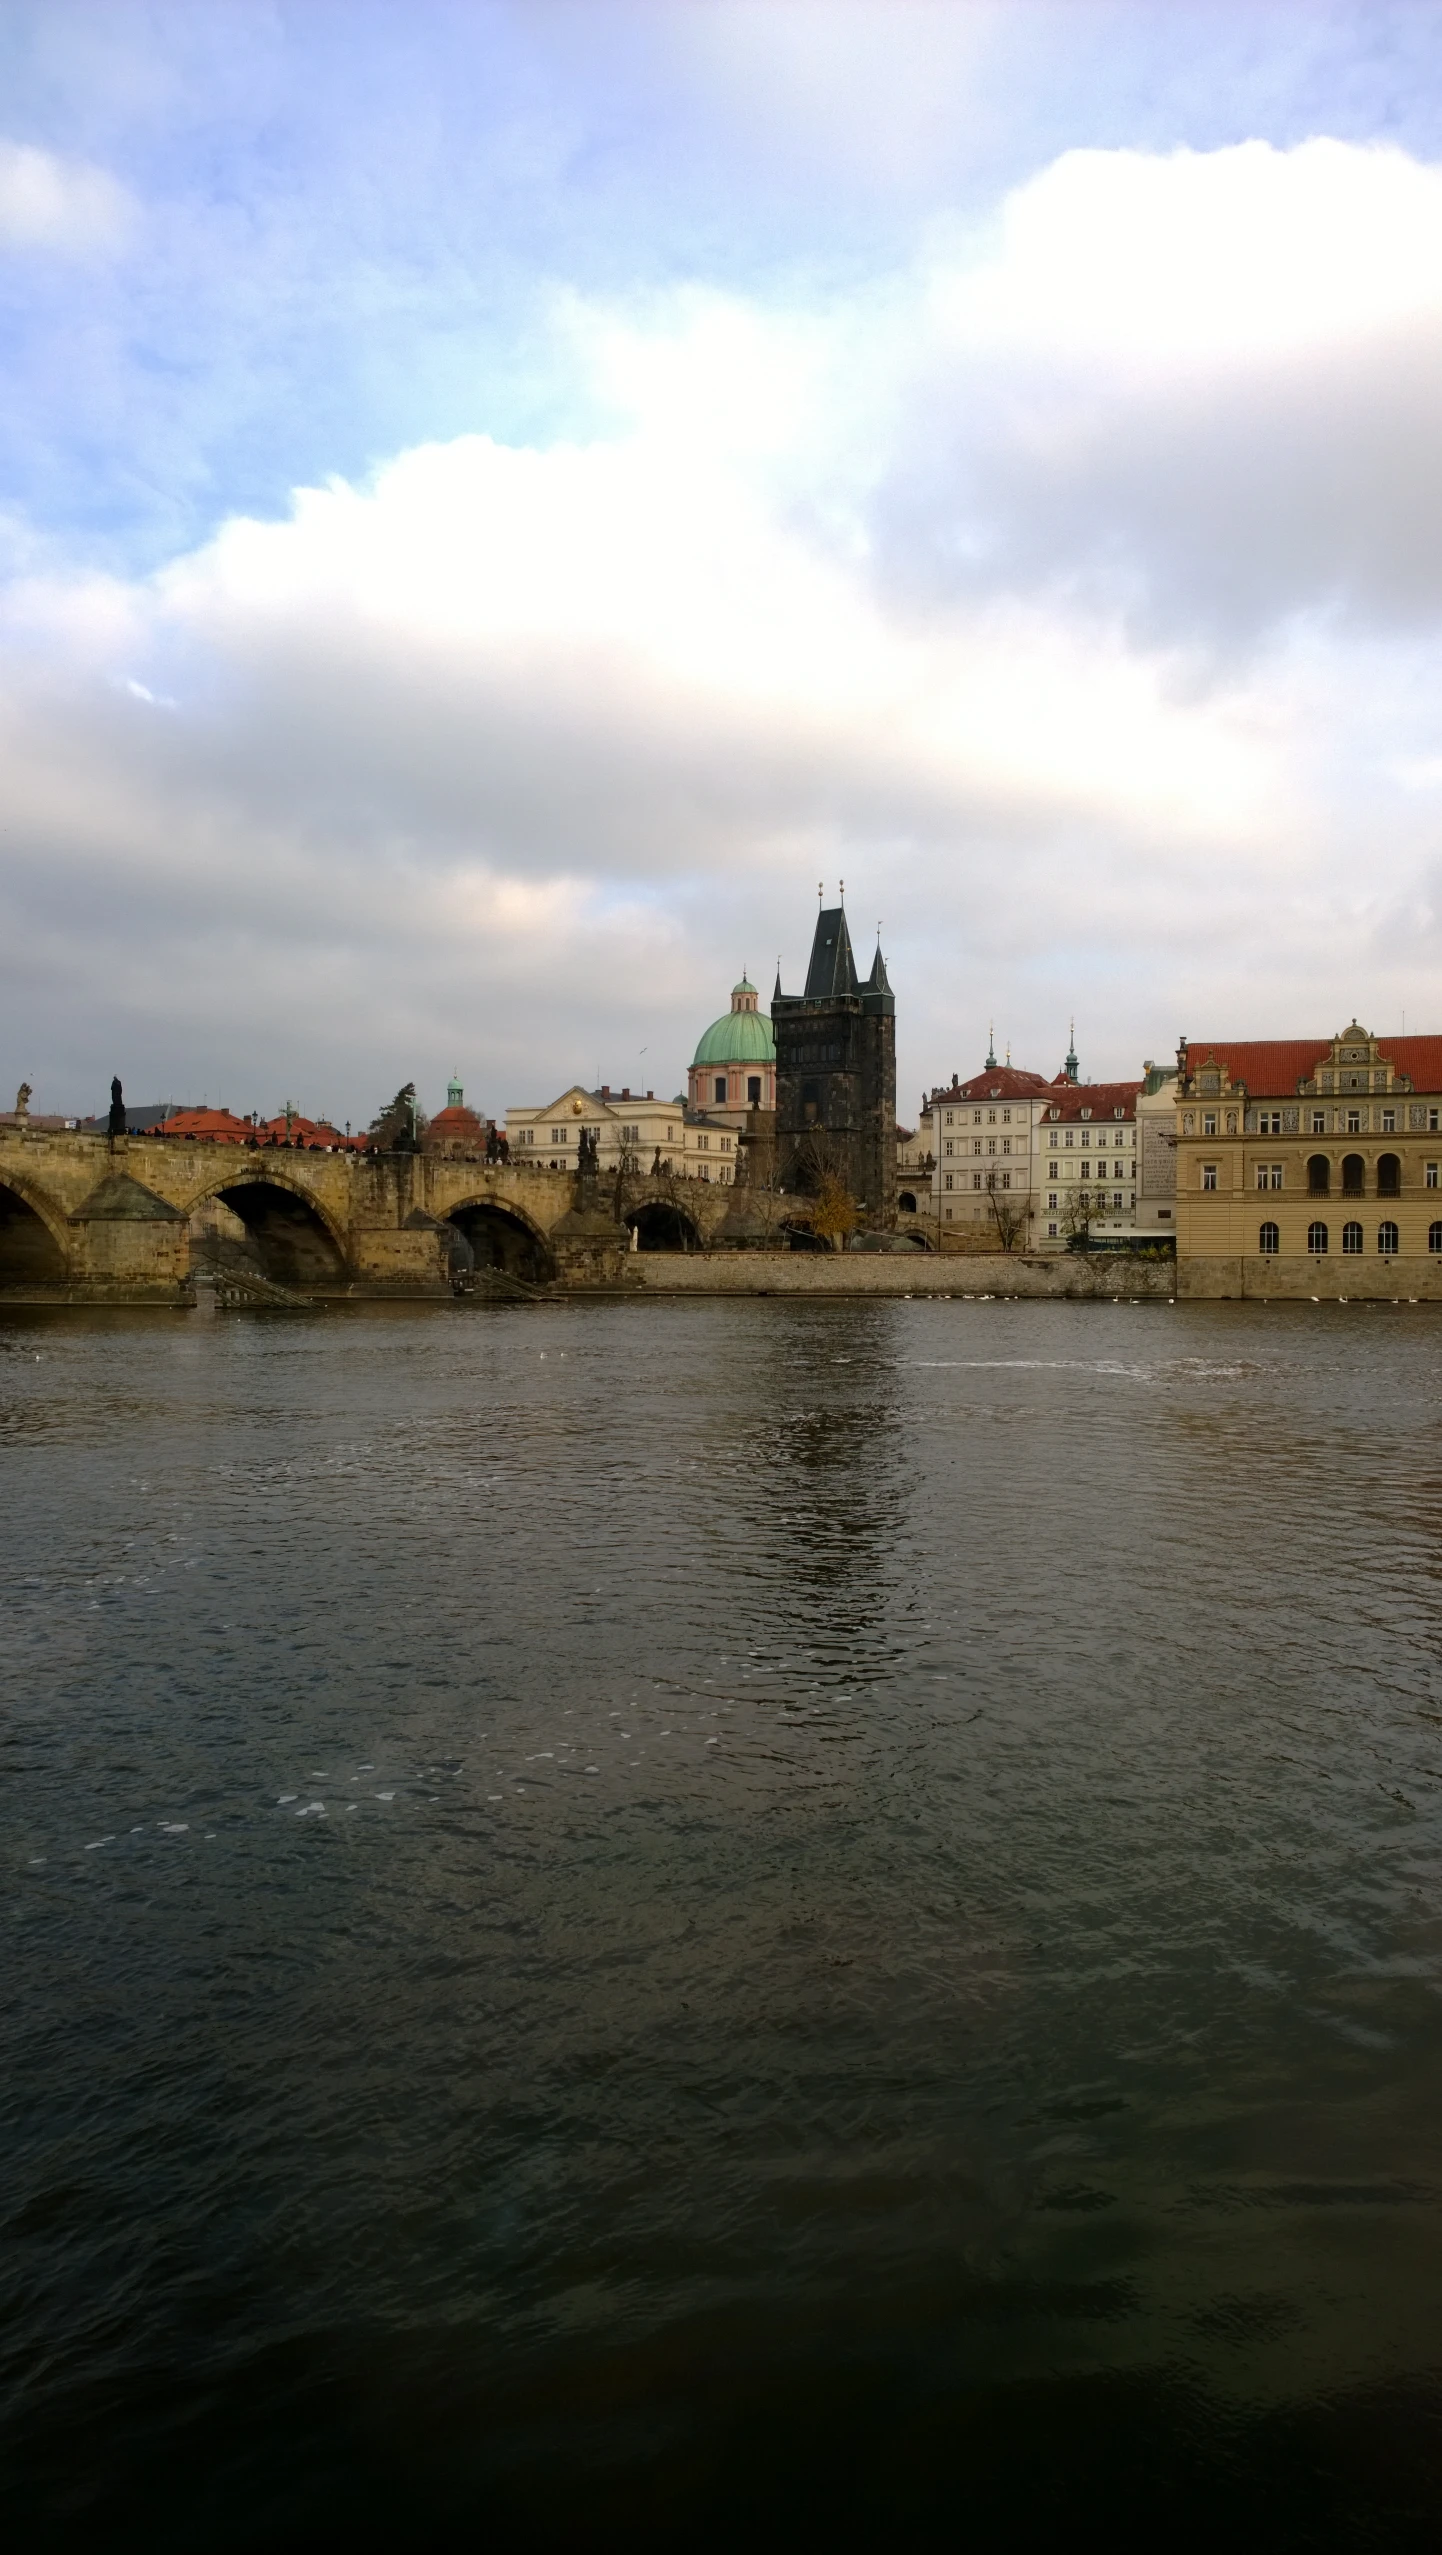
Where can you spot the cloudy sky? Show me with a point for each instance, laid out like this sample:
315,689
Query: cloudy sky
498,501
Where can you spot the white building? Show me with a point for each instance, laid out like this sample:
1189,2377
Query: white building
1044,1162
984,1142
634,1131
1087,1176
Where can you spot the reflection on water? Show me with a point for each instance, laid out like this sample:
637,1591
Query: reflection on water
651,1922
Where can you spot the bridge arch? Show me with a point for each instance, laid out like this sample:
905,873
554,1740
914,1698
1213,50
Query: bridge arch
660,1225
287,1230
499,1235
34,1242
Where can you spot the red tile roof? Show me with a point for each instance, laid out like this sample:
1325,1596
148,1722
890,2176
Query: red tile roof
218,1126
1073,1100
1271,1068
997,1082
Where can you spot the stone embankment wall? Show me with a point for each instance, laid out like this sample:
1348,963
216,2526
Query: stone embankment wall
898,1273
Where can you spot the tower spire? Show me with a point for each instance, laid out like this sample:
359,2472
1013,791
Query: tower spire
1072,1069
991,1046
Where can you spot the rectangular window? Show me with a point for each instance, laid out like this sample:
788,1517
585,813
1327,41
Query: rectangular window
991,1117
703,1144
1051,1202
947,1179
1319,1122
1389,1122
976,1144
1006,1179
946,1144
1052,1139
976,1117
1068,1138
1209,1122
1006,1117
948,1215
1086,1135
1006,1144
1051,1228
948,1117
1432,1122
991,1144
1354,1122
976,1179
1431,1175
1209,1175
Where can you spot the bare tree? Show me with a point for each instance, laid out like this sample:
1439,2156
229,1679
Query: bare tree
1075,1218
1010,1212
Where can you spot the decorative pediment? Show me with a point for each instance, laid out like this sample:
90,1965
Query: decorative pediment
1354,1062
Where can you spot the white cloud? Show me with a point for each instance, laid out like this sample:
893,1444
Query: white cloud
46,202
512,756
1204,389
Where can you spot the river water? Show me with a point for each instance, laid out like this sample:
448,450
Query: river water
663,1923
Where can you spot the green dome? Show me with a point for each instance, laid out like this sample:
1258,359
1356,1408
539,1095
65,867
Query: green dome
738,1038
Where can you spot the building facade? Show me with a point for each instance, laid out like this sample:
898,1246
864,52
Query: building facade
1157,1153
633,1131
734,1068
1309,1167
1088,1170
836,1075
986,1147
1034,1165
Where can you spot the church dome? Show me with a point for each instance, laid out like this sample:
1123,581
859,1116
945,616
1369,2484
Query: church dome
738,1038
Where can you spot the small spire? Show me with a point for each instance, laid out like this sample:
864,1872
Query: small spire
820,892
842,891
991,1046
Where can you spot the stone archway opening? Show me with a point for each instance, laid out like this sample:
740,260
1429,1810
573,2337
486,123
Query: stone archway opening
269,1228
659,1226
490,1237
29,1252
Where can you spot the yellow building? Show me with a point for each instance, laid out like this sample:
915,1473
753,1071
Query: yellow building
1310,1167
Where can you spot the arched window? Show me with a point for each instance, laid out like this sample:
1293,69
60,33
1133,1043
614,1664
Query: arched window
1354,1176
1351,1237
1317,1241
1434,1237
1319,1175
1269,1239
1389,1175
907,1202
1387,1240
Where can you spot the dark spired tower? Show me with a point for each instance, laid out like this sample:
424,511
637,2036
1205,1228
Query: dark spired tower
836,1074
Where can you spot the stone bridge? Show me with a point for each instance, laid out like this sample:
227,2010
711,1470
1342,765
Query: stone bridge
87,1219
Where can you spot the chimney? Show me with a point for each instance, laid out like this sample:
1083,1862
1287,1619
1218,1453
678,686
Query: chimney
605,1091
650,1095
625,1091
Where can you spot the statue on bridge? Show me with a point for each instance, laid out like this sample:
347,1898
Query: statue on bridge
115,1125
22,1100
